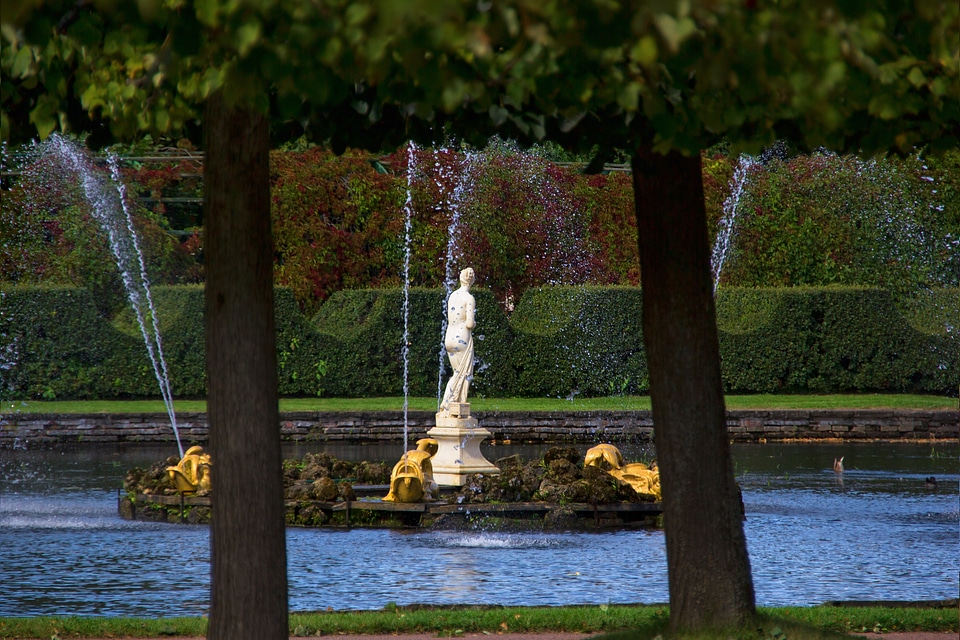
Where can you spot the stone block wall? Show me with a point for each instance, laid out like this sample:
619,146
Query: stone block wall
518,427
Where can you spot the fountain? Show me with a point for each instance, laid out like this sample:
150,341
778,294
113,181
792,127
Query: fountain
518,561
728,221
412,478
106,196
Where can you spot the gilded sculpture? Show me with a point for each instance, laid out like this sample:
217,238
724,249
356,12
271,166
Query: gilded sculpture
643,479
192,473
412,477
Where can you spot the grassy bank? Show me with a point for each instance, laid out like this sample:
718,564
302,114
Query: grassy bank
613,403
642,621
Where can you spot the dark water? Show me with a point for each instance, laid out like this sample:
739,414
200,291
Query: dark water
879,534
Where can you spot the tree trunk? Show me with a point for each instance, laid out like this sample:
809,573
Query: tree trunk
249,561
707,562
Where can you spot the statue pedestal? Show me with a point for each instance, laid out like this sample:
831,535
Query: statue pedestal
459,454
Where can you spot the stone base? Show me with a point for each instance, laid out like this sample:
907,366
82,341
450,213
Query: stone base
459,453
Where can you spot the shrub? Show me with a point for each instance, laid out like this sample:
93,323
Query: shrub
336,224
831,340
367,326
824,219
55,341
579,341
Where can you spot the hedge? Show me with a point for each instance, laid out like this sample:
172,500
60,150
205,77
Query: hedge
579,341
559,341
837,339
54,340
368,325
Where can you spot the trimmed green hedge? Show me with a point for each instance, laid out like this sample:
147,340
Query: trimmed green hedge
579,341
368,326
55,339
838,339
560,341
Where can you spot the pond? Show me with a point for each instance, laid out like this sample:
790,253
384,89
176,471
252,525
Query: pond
882,532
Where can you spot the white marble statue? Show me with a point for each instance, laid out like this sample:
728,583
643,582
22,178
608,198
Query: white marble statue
458,341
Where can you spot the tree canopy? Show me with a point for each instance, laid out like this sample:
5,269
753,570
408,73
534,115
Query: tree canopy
843,75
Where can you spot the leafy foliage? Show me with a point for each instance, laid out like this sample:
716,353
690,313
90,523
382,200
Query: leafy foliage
560,342
579,340
49,234
336,224
826,219
835,339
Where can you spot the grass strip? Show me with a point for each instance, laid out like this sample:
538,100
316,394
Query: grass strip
612,403
626,621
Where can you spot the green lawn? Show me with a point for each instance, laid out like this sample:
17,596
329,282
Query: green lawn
635,622
614,403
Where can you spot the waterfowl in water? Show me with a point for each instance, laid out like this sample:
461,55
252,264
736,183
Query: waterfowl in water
931,483
838,465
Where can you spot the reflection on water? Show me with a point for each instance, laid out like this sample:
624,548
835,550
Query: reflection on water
880,531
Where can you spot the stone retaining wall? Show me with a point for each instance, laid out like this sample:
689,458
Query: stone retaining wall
518,427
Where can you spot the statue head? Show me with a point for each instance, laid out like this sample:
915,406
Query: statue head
467,276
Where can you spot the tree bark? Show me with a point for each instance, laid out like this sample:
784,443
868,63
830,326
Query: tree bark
707,562
248,559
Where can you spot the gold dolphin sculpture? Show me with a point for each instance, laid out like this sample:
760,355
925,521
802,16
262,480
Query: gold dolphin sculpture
192,473
412,478
644,480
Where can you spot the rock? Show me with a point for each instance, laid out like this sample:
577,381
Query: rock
311,516
199,515
563,471
562,517
368,472
342,469
314,470
565,453
346,492
324,489
299,491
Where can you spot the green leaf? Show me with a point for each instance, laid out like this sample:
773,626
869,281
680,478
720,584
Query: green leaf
22,63
92,97
916,77
45,115
161,120
674,31
498,115
884,106
357,13
207,12
247,35
644,52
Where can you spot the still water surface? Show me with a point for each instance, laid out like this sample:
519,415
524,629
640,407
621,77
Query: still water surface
879,534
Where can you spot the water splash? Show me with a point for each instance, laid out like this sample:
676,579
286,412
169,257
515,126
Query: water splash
407,233
454,202
106,196
728,221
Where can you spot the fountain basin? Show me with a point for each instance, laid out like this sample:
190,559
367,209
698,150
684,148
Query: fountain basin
435,515
555,491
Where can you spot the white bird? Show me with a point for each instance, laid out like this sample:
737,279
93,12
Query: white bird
838,465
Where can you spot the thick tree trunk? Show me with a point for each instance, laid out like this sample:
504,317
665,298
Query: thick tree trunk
249,561
707,562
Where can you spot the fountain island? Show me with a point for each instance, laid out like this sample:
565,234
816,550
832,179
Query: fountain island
446,481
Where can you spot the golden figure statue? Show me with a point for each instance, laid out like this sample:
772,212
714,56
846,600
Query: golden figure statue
644,480
412,478
192,473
